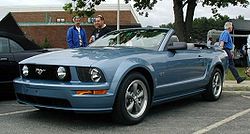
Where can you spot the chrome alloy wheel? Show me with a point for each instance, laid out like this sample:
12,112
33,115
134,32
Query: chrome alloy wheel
217,84
136,98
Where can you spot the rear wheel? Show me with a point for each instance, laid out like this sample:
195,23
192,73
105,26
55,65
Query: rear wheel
214,87
133,100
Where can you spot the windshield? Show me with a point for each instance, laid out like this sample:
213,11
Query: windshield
142,38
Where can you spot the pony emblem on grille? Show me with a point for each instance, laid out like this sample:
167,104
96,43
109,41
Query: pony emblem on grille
40,71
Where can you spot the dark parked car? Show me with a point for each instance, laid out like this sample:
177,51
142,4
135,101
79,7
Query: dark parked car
124,72
14,47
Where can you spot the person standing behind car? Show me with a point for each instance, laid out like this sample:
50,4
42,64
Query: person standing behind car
227,44
100,28
76,35
209,42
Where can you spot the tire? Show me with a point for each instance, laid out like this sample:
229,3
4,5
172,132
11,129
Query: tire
133,100
214,87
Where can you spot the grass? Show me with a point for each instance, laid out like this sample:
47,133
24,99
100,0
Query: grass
241,71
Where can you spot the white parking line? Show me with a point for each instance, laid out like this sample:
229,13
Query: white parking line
18,105
248,97
18,112
226,120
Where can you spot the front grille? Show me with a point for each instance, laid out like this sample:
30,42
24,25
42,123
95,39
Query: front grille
44,101
48,72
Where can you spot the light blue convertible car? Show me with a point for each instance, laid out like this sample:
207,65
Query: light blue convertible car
124,72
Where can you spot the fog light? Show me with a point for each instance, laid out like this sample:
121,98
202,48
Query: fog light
61,73
93,92
25,70
83,92
100,91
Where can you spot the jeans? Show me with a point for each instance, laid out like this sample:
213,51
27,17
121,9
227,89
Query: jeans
231,64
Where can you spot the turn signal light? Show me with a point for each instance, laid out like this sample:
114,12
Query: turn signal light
94,92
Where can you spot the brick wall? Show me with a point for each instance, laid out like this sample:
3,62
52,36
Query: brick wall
56,34
126,17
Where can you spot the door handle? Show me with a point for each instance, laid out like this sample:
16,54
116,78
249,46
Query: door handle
3,59
199,56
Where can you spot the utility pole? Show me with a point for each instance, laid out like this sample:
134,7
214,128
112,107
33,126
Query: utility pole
74,5
118,15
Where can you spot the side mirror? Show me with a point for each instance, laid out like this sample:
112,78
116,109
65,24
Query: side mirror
177,46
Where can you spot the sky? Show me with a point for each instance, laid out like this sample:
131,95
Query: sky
162,13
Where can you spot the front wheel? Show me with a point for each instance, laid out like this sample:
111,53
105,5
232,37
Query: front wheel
133,99
214,87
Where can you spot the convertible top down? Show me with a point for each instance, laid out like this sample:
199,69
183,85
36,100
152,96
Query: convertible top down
124,72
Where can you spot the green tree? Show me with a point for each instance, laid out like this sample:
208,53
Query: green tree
183,25
169,25
202,25
240,17
86,7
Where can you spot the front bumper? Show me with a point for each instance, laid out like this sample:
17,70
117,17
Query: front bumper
59,95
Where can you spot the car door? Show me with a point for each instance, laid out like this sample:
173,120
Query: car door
190,64
7,62
17,51
179,73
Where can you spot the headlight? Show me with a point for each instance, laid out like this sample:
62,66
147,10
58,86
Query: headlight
61,73
86,74
25,70
95,75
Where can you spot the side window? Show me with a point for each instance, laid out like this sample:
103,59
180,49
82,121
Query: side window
4,45
14,47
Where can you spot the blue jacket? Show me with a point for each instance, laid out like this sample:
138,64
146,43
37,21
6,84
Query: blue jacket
73,38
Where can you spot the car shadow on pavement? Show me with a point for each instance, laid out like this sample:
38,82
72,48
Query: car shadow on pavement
175,105
7,93
82,121
7,97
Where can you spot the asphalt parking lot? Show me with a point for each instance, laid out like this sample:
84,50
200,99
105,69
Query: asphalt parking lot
231,114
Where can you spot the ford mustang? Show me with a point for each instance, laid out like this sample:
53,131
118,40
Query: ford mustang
124,72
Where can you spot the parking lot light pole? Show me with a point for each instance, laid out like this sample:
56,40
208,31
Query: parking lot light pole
74,3
118,15
118,21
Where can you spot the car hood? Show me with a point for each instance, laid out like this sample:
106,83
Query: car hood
82,56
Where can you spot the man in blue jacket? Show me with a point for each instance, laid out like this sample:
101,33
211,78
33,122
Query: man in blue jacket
76,35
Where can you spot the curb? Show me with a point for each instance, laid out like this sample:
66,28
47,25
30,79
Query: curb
237,92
